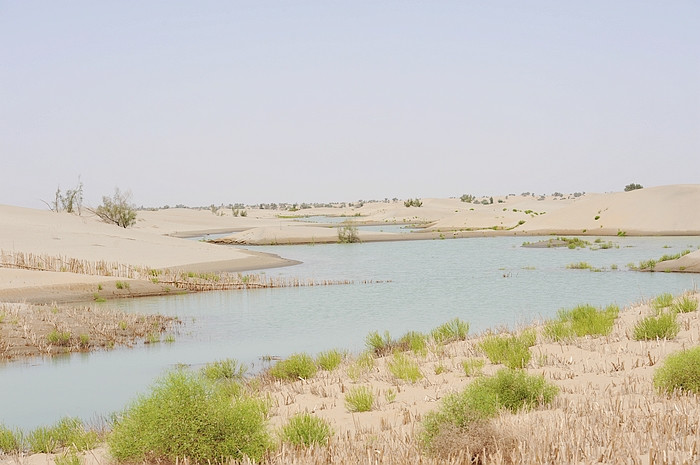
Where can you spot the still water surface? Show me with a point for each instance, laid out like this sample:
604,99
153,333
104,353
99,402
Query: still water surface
487,281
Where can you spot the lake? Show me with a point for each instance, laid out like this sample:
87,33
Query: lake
489,282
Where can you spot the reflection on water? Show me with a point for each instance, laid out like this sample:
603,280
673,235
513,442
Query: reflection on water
486,281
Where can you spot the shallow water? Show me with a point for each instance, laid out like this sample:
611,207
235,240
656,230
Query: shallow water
487,281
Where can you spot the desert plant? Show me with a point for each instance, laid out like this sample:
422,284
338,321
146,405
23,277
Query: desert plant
582,320
297,366
225,370
679,372
473,366
468,198
632,187
402,367
117,209
71,201
185,416
453,330
10,441
348,234
304,429
359,399
330,359
414,341
663,326
379,344
58,338
685,304
510,350
662,301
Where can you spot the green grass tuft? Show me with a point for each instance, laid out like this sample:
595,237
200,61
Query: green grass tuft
402,367
511,350
330,359
679,372
67,432
10,441
297,366
583,320
453,330
359,399
225,370
662,301
663,326
685,304
304,429
473,366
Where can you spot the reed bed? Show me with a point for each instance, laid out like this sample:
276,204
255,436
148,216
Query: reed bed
178,278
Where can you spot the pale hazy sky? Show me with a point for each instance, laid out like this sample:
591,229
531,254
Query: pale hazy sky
201,102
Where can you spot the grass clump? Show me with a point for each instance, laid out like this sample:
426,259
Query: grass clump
402,367
225,370
67,432
184,416
579,266
685,304
9,440
473,366
363,364
679,372
58,338
379,344
582,320
663,326
662,301
297,366
304,429
330,359
511,350
359,399
453,330
508,389
68,458
414,341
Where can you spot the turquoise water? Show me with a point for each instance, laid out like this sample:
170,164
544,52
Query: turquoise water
487,281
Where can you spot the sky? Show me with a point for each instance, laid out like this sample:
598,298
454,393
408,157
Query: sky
218,102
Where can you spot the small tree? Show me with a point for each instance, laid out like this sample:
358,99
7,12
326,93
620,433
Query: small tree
117,209
71,201
468,198
633,187
347,233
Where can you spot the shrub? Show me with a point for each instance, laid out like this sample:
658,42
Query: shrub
330,359
122,285
453,330
359,399
685,304
379,344
513,351
632,187
304,429
414,341
224,370
679,372
117,209
662,301
583,320
348,234
297,366
468,198
579,266
404,368
413,203
186,417
663,326
9,440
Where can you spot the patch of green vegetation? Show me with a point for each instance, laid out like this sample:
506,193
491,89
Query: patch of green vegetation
185,416
662,301
69,457
122,285
330,359
228,369
363,364
685,304
348,233
10,441
297,366
453,330
579,266
473,366
663,326
379,344
359,399
402,367
58,338
679,372
582,320
84,341
67,432
511,350
415,341
304,429
508,389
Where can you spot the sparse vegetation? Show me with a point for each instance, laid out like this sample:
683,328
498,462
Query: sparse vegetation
228,369
511,350
663,326
632,187
685,304
348,234
359,399
473,366
297,366
402,367
330,359
67,432
662,301
453,330
59,338
413,203
582,320
679,372
9,440
117,209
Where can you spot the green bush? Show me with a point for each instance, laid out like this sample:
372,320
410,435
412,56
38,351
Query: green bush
224,370
304,429
330,359
663,326
679,372
583,320
184,416
510,350
59,338
402,367
685,304
508,389
297,366
117,209
359,399
348,234
10,441
380,344
453,330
